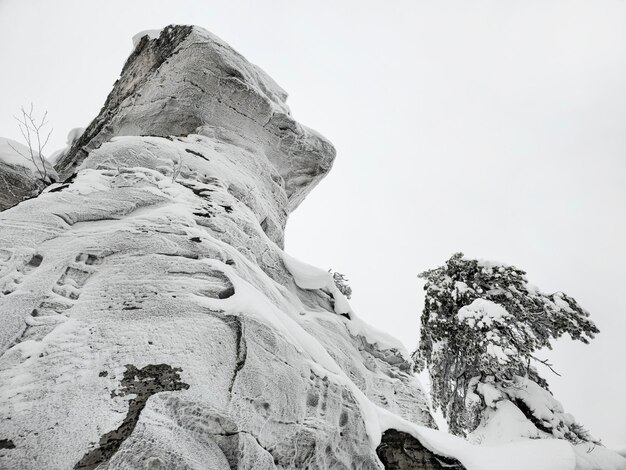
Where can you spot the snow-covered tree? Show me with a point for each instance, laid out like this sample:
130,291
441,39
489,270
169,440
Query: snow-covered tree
482,325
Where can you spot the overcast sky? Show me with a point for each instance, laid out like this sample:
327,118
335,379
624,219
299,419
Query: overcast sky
496,128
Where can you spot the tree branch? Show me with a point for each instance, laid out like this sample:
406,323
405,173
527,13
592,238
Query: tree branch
546,363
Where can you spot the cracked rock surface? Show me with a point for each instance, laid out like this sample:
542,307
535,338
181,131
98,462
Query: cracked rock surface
148,318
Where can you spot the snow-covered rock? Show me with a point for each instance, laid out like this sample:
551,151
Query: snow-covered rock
151,319
21,176
189,81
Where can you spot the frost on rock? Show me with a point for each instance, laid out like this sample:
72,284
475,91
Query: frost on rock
149,315
189,81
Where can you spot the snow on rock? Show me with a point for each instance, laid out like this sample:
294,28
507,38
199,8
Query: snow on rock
150,316
519,410
514,454
21,176
189,81
309,277
523,455
504,423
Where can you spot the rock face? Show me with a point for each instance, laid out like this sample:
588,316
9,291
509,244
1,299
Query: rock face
188,79
148,316
401,451
20,179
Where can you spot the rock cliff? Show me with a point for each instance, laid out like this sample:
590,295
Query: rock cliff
150,317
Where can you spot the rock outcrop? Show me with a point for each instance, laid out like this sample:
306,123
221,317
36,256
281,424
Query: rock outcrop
150,318
188,81
20,177
401,451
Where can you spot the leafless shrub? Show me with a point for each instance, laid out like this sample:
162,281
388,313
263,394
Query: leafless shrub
33,131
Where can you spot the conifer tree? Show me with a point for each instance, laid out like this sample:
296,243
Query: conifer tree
482,325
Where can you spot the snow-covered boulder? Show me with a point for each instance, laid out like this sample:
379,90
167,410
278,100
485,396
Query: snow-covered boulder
21,176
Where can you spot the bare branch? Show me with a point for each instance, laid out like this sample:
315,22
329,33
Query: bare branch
31,128
18,152
546,363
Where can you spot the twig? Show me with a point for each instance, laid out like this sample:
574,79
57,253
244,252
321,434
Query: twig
31,130
546,363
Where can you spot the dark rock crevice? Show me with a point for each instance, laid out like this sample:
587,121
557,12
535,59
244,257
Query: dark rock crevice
237,326
6,444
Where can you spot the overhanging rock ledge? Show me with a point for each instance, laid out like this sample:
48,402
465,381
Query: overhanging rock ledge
188,80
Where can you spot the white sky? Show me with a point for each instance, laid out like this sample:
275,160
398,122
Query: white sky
497,128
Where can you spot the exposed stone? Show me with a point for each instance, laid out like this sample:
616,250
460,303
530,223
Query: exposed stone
143,383
189,81
20,179
166,249
401,451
